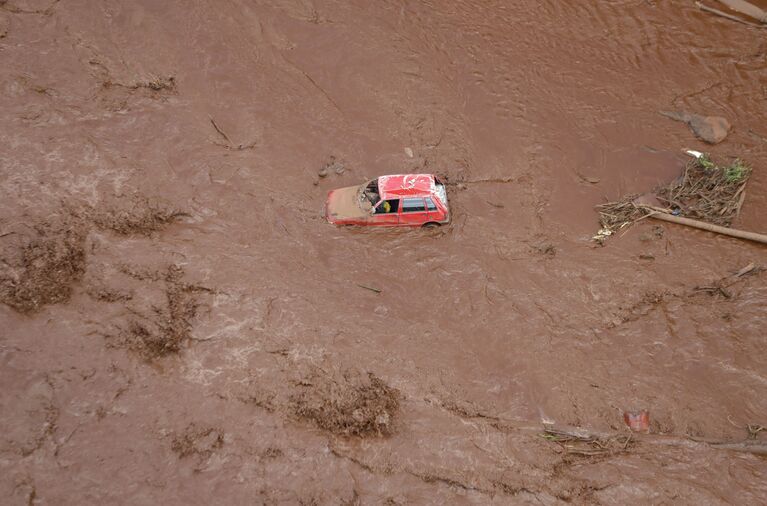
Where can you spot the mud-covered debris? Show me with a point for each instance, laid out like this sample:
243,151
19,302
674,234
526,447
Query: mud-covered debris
347,403
332,166
545,249
105,294
167,328
579,441
721,287
160,83
155,84
657,232
272,453
43,268
647,303
137,216
197,440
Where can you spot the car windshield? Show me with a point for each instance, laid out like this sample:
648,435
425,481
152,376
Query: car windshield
369,195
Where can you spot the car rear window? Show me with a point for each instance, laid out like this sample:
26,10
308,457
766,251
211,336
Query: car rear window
430,204
413,205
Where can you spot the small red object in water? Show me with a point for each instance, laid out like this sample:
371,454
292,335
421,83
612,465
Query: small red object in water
638,421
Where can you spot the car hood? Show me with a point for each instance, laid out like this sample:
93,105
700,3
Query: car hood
343,204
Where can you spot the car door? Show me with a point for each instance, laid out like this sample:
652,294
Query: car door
435,214
385,215
413,212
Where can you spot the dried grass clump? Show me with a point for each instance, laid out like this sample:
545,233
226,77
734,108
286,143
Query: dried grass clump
348,404
154,83
139,216
197,440
165,331
159,83
42,269
615,215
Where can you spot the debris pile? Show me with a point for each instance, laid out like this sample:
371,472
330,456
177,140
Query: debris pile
578,441
167,328
706,191
348,403
197,440
136,216
42,269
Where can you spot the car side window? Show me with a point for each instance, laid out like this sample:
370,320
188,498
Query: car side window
430,204
387,207
413,205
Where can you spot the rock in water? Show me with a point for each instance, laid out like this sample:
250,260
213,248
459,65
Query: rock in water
711,129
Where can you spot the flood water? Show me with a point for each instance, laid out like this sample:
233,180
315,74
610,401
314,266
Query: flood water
509,316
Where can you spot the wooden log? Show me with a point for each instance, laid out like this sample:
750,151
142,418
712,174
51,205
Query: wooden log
755,447
717,12
746,8
702,225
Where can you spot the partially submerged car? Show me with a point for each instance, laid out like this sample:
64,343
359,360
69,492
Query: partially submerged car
404,200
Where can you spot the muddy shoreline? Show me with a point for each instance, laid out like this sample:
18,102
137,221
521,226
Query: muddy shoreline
181,326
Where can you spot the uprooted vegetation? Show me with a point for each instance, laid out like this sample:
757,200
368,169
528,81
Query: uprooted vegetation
575,441
167,327
721,288
14,9
42,269
137,216
197,440
155,84
706,191
347,403
118,96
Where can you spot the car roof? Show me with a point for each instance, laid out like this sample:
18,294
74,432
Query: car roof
406,185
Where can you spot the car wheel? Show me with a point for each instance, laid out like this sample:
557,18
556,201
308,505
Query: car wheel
431,224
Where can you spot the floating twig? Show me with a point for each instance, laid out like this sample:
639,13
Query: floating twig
376,290
220,132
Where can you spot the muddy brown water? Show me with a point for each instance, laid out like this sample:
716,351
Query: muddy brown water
479,327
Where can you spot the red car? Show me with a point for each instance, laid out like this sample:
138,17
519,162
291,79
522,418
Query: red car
405,200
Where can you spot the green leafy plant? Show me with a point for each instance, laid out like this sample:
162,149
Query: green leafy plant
736,172
705,161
